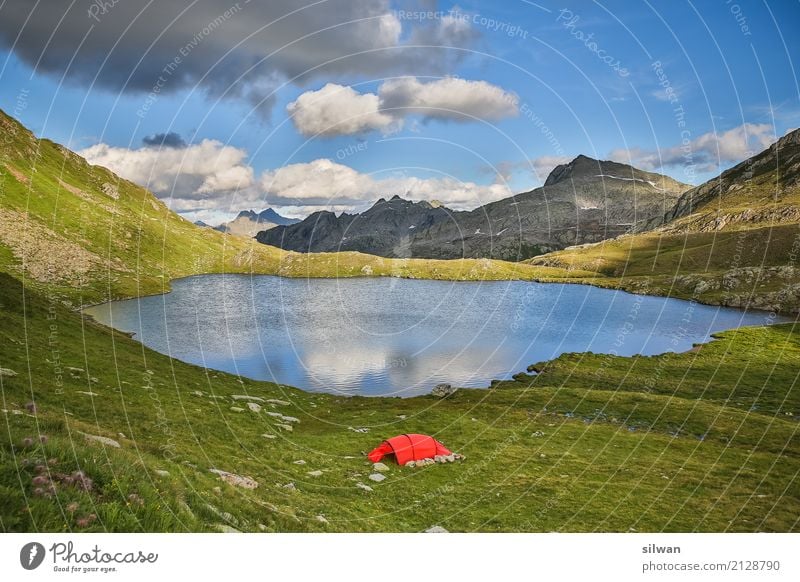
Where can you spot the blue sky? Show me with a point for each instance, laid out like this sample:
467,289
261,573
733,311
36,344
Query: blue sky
585,76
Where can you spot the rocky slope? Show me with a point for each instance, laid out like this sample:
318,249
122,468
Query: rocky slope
387,229
734,240
585,200
248,222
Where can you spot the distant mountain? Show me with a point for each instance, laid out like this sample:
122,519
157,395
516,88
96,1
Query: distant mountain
249,222
202,224
386,229
583,201
731,241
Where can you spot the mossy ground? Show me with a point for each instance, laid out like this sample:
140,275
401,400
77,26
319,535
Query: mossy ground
592,443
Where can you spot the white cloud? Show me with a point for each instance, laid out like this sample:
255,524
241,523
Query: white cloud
706,152
211,180
448,98
337,110
324,183
203,171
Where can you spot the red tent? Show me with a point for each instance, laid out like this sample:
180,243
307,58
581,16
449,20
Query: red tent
409,447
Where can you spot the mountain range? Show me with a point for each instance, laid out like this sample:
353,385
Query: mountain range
248,222
586,200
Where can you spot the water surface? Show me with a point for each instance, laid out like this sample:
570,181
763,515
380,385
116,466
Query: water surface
386,336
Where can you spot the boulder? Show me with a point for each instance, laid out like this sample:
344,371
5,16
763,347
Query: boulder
377,477
443,390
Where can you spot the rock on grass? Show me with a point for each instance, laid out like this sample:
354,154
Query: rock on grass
236,480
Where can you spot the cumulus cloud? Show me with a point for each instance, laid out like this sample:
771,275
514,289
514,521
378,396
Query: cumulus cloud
166,140
322,183
706,152
449,98
211,180
239,50
337,110
198,175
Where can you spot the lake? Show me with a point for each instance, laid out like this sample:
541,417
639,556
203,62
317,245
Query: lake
401,337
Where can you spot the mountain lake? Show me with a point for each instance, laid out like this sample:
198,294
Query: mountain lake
401,337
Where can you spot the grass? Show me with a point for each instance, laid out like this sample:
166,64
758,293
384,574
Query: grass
701,441
589,444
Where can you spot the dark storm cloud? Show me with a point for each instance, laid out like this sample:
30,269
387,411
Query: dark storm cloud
166,140
241,49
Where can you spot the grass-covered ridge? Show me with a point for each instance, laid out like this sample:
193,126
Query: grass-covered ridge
90,236
705,440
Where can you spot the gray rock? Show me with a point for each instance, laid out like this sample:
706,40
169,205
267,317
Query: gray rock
380,467
443,390
321,519
377,477
236,409
364,487
277,402
299,462
236,480
101,439
436,529
269,436
7,373
286,427
246,397
254,406
316,473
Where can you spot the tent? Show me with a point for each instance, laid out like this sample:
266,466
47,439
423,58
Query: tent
409,447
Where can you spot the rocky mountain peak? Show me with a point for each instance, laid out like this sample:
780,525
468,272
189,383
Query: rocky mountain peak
580,167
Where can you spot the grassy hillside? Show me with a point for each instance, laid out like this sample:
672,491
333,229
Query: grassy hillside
732,241
101,433
85,234
701,441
